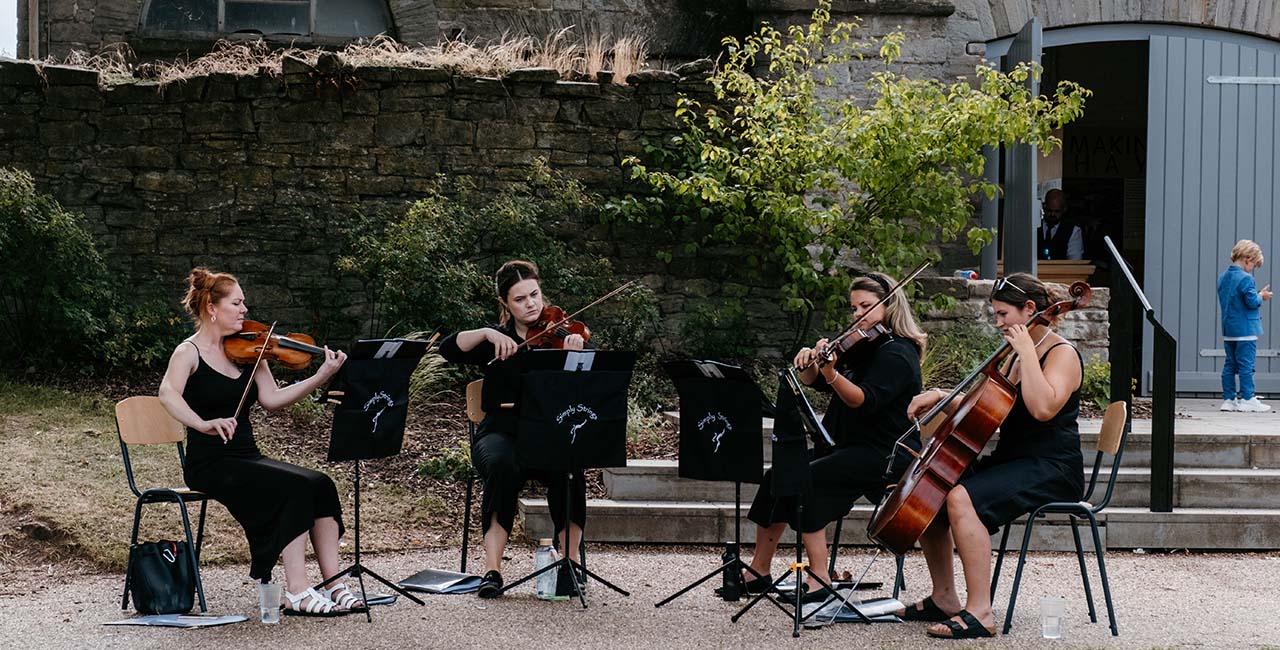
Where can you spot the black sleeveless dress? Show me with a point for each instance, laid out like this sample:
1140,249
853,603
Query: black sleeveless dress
1034,463
273,501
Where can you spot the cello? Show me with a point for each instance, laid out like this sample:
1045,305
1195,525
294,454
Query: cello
959,437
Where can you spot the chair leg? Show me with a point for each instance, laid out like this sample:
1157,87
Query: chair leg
1017,575
133,541
195,564
835,547
1084,572
204,506
899,582
466,523
1102,571
995,573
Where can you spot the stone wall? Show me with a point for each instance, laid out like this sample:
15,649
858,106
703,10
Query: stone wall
1087,328
256,174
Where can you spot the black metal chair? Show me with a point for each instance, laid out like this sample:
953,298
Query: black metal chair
142,420
1110,441
898,582
475,414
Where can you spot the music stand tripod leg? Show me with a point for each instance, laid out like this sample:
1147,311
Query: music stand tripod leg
735,564
357,570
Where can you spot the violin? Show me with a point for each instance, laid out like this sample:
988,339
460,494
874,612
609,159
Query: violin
958,438
551,329
854,335
258,341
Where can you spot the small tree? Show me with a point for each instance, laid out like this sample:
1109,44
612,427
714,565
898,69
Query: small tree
807,180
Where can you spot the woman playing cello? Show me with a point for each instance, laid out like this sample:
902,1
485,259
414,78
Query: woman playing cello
1037,460
493,452
871,386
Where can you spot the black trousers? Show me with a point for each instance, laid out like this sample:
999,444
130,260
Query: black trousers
494,457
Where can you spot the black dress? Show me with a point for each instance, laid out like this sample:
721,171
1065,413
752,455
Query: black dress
889,376
493,451
1034,463
273,501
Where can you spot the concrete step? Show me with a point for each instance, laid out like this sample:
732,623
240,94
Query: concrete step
1238,443
658,480
1120,528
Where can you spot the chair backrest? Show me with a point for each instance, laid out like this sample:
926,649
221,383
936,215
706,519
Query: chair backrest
1112,428
143,420
475,412
1111,441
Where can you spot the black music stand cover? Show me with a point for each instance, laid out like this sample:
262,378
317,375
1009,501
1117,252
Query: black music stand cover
573,409
720,421
369,423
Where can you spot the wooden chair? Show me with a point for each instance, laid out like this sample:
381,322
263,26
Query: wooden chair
1110,441
142,420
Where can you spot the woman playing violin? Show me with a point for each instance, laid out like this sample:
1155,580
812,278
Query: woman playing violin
276,503
870,385
493,452
1037,460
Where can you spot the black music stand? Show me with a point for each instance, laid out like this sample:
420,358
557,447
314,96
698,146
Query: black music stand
369,423
573,417
791,478
720,440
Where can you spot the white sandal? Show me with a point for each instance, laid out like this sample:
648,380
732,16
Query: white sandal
344,598
319,605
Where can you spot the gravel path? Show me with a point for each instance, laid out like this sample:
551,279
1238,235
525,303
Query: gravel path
1161,601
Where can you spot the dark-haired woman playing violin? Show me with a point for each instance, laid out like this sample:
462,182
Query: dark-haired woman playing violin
276,503
493,453
1037,460
870,387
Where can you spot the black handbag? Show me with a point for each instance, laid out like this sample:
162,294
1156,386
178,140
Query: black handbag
160,578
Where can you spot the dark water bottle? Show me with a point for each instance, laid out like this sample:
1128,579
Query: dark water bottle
731,577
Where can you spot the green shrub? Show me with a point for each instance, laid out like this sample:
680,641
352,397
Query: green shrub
452,464
432,269
1096,386
717,332
953,353
58,301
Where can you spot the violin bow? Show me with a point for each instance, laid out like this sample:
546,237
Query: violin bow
824,356
553,326
254,369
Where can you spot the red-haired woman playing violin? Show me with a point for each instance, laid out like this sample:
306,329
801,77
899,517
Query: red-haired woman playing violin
276,503
493,452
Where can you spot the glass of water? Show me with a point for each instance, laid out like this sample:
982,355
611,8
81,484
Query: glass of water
269,602
1051,611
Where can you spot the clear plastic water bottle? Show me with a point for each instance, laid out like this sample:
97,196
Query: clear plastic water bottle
545,556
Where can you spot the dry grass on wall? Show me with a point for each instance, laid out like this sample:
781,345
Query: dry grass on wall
576,58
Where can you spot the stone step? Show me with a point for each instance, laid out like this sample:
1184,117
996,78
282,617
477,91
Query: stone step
1120,528
658,480
1250,444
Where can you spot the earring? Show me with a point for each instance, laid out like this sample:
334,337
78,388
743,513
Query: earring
215,318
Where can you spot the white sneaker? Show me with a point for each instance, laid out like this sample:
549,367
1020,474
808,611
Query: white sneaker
1252,405
1228,405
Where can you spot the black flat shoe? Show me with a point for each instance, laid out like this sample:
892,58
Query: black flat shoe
490,585
758,585
806,597
564,584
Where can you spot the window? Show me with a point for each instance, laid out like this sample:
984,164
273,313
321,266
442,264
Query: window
306,18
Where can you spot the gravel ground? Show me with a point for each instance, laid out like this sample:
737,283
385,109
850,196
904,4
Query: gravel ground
1163,601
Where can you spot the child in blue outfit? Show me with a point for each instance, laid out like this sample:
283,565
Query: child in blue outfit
1241,303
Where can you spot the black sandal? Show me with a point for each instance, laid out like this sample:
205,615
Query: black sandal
490,585
974,628
928,612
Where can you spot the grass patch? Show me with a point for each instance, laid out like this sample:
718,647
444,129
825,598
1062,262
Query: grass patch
64,490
